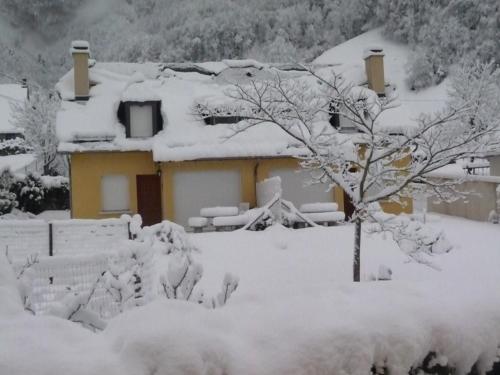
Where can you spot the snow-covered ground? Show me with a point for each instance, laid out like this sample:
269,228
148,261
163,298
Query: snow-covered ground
295,311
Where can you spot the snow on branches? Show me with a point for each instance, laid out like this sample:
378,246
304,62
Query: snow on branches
37,116
182,276
165,237
371,158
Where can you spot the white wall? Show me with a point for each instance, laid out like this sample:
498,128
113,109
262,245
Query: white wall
476,207
295,189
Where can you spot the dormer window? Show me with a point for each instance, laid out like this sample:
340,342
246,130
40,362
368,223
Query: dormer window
222,114
141,119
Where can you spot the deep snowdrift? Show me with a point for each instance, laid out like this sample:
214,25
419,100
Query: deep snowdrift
295,312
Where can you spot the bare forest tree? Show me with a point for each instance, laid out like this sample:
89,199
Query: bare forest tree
37,116
371,162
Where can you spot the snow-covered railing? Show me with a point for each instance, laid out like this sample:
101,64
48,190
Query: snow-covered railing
21,238
81,236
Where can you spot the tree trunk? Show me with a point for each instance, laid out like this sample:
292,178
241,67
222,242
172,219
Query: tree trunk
356,264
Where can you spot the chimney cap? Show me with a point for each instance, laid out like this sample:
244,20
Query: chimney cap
80,46
373,51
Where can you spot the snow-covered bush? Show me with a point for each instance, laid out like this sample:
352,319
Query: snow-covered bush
7,198
413,237
14,147
7,201
30,193
165,237
56,192
184,273
181,277
125,278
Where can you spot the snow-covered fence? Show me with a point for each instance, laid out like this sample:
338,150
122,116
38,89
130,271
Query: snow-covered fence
81,236
54,277
27,237
24,237
51,279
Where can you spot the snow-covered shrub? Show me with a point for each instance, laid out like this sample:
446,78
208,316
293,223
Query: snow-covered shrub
125,278
184,273
414,238
7,198
56,192
30,193
7,201
181,277
14,147
75,307
165,237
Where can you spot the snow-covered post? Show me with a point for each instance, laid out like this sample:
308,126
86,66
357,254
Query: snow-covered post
373,163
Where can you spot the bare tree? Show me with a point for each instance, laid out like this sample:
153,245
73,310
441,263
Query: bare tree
37,116
347,143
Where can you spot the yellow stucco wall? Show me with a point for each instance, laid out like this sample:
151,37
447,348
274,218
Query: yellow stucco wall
87,169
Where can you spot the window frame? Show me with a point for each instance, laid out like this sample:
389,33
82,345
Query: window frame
124,116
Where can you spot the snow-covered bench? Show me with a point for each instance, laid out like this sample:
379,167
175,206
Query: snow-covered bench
209,214
323,213
224,223
318,207
322,218
197,223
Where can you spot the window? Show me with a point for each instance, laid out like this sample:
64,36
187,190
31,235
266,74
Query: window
115,193
141,119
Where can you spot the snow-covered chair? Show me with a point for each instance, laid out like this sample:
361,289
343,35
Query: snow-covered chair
197,223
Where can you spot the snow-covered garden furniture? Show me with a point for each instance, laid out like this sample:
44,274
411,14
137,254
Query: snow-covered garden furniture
318,207
226,223
210,213
326,214
197,223
322,218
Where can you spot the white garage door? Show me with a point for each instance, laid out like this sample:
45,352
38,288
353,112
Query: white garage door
196,190
296,190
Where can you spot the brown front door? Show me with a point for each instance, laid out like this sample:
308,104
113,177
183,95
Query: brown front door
149,198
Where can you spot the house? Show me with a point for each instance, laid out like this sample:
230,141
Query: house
137,141
15,155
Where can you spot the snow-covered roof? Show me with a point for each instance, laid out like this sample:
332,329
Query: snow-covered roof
94,125
348,57
9,94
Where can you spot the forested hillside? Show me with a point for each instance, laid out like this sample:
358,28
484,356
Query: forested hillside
440,31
